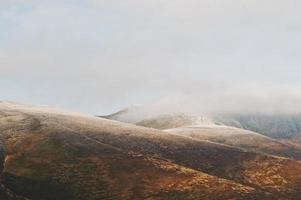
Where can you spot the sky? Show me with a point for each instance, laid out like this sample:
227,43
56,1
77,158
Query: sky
99,56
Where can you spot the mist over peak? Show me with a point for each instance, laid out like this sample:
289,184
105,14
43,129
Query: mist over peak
243,99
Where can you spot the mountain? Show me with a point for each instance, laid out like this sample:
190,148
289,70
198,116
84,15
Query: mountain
294,141
240,138
278,126
50,154
133,114
275,126
152,118
174,121
225,129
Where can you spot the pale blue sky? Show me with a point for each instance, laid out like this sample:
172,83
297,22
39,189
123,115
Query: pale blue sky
97,56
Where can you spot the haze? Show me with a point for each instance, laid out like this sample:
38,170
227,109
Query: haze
99,56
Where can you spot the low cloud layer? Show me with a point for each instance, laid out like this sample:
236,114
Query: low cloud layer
240,99
99,56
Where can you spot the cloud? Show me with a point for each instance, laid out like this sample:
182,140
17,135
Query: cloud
240,99
98,56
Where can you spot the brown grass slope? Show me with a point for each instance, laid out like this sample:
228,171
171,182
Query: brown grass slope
240,138
51,155
205,129
46,159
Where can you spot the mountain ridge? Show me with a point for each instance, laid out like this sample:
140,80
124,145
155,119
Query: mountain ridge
59,155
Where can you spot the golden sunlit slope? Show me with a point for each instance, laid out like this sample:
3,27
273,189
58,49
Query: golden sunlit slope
240,138
49,154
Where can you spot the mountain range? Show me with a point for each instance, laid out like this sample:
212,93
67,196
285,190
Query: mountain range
49,154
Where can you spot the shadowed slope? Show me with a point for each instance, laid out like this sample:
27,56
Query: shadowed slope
274,126
204,129
240,138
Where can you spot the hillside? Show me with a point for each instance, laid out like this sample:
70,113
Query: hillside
215,130
49,154
240,138
280,126
174,121
275,126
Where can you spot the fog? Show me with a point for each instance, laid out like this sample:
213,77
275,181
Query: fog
97,57
240,99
